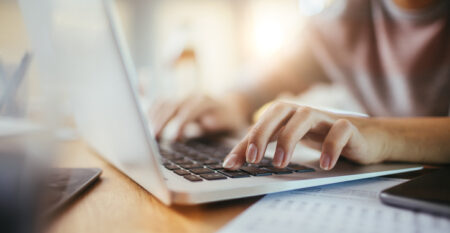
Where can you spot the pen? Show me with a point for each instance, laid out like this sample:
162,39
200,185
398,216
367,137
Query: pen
10,89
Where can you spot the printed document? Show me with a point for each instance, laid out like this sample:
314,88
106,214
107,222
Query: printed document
346,207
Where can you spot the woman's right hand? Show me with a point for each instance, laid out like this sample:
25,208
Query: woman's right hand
211,115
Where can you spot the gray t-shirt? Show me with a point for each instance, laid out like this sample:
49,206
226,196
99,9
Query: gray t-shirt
396,62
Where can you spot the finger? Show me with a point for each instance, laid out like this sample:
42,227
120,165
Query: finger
156,107
236,158
337,138
269,124
275,136
313,144
190,112
213,122
299,124
163,115
210,122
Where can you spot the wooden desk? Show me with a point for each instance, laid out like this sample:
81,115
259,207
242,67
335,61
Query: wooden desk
117,204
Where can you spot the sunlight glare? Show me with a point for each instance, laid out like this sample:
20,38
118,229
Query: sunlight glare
268,36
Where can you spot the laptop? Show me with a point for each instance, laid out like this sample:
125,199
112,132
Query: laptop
110,119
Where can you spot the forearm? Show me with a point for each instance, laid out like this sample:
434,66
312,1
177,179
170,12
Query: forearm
424,140
267,87
293,71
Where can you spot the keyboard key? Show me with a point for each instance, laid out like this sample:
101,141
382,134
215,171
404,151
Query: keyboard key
208,150
192,165
167,156
213,176
179,145
211,161
278,170
193,178
234,174
171,155
201,170
193,145
256,171
184,150
215,166
172,167
299,168
181,172
220,153
193,155
203,148
202,158
265,161
165,153
182,161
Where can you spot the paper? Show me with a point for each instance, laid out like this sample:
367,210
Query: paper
346,207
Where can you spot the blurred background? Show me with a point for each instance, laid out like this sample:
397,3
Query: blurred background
206,43
189,43
177,47
200,43
180,46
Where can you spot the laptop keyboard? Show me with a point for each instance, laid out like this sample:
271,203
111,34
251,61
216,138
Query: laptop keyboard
196,162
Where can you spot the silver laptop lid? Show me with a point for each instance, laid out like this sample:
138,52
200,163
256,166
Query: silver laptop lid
87,49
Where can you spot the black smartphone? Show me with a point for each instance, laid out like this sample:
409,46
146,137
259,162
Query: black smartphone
64,184
427,193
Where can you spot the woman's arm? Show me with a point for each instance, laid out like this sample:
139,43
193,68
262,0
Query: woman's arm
293,72
421,139
363,140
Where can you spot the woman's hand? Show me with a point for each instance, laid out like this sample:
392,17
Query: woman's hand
211,115
287,124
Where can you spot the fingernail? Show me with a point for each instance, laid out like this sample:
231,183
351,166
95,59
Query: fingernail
325,164
278,157
251,153
229,161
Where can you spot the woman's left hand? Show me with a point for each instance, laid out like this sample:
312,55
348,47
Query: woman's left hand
287,124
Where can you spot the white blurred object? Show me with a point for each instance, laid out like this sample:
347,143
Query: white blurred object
207,27
313,7
13,94
19,137
268,36
12,127
333,98
272,24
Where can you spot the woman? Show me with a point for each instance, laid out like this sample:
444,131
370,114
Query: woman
394,55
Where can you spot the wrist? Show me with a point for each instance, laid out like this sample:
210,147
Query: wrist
379,140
